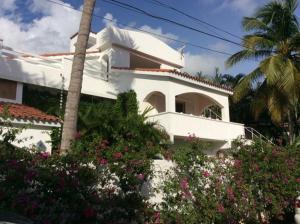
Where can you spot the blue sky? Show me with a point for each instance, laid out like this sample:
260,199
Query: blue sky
39,26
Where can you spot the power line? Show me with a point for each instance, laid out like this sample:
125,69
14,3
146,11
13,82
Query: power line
135,9
162,4
152,33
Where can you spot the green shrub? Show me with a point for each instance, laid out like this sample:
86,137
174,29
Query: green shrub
99,181
257,183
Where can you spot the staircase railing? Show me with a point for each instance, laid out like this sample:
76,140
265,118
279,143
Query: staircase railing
251,133
211,114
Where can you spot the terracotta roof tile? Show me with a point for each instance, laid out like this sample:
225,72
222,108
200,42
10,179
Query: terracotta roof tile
20,111
178,73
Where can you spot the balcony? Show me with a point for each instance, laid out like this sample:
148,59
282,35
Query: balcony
180,125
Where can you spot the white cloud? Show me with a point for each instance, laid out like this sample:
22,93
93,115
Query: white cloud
109,20
220,46
246,7
49,33
203,62
8,5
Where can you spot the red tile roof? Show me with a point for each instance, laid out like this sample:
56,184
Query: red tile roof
20,111
178,73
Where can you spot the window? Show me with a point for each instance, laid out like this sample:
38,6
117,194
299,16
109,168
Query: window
180,107
8,89
140,62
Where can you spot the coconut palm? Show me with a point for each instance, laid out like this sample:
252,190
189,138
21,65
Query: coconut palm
274,41
70,118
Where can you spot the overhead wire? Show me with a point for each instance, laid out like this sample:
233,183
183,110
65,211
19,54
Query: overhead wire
145,31
135,9
165,5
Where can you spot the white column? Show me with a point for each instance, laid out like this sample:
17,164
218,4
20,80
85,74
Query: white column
170,103
225,112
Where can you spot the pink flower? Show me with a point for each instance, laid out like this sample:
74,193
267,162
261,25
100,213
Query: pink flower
230,193
184,184
206,173
298,180
126,149
220,208
237,163
89,212
256,167
30,175
103,161
118,155
141,176
157,217
77,135
44,155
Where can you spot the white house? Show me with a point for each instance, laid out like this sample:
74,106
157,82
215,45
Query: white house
118,60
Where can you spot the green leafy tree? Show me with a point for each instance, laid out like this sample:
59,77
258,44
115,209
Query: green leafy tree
275,42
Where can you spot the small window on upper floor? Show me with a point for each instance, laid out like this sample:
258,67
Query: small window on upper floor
8,89
140,62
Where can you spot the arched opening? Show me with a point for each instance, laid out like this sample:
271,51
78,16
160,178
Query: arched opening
157,101
198,105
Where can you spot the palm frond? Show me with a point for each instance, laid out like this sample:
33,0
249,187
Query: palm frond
258,104
245,84
261,42
252,23
246,55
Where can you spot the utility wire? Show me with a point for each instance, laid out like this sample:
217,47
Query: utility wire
174,22
162,4
144,31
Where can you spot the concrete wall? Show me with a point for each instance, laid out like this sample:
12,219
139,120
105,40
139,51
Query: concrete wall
32,137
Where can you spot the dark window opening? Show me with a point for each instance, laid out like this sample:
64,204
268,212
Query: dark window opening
180,107
140,62
8,89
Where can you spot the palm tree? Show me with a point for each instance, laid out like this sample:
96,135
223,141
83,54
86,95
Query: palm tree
275,41
70,118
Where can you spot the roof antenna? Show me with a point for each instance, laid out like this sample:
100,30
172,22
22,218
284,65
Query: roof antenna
181,50
1,46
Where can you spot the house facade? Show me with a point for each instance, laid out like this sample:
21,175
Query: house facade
118,60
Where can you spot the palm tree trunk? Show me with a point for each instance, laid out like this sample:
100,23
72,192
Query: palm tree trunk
70,118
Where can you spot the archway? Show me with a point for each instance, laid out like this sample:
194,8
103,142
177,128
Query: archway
198,105
157,101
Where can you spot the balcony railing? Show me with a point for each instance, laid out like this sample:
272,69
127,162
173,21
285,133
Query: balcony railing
179,124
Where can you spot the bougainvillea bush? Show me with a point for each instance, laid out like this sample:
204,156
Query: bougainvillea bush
75,188
256,183
98,181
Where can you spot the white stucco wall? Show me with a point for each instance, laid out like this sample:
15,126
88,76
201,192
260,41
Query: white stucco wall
31,136
139,41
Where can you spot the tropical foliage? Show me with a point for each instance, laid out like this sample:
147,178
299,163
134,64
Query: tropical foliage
256,184
274,40
98,182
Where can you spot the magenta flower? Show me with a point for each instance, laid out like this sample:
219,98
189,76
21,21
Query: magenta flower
44,155
30,175
77,135
89,212
141,176
103,161
118,155
206,174
237,163
184,184
220,208
230,193
298,180
157,217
